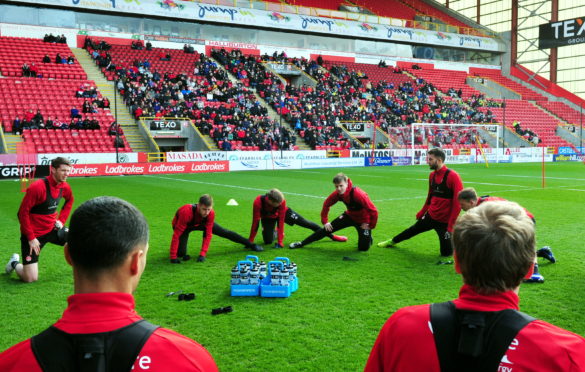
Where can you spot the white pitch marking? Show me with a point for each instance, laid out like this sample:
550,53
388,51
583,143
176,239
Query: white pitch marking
234,186
539,177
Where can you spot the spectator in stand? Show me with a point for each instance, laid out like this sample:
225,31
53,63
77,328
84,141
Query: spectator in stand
70,60
46,59
75,113
34,70
148,45
28,119
38,120
188,49
16,126
86,107
25,70
49,123
58,59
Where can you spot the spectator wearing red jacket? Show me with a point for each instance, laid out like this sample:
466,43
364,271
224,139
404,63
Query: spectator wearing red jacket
271,211
200,217
107,248
494,251
39,222
441,207
361,213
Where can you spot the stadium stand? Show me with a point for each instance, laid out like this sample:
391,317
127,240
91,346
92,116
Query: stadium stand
526,93
446,80
18,51
392,9
54,100
563,111
323,4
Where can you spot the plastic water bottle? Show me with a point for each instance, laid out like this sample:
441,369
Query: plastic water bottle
291,273
263,272
254,275
235,275
244,275
275,276
284,277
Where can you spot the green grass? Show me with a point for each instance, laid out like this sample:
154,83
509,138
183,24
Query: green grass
332,321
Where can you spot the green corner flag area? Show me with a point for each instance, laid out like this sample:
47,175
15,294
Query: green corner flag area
344,295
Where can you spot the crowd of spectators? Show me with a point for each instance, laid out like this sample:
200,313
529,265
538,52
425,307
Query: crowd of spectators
50,38
527,134
229,113
32,120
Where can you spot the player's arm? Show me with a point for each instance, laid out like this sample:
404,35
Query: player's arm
280,229
363,198
208,234
34,195
66,210
180,221
427,203
454,183
256,215
331,200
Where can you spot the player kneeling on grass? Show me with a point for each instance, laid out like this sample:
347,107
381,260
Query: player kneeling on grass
361,213
200,217
272,212
468,199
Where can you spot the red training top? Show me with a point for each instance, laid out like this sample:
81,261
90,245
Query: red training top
262,209
164,351
33,225
406,341
495,198
443,209
366,214
185,220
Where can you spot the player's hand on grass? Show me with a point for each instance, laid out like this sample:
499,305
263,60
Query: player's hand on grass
328,227
35,246
365,226
58,224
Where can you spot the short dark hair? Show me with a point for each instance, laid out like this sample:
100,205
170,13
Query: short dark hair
206,200
468,193
102,233
58,161
437,152
339,178
275,195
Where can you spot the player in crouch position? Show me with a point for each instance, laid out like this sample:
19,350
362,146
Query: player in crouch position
468,199
200,217
271,211
361,213
441,208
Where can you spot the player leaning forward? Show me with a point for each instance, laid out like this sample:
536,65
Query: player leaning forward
39,222
361,213
441,207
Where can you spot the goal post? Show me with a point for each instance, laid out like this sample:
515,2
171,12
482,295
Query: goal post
489,129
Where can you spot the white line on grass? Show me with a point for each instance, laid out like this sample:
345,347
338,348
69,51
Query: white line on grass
540,177
233,186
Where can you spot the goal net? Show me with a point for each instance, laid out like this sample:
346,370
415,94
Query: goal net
419,136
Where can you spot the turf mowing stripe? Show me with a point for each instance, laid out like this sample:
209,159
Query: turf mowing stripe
234,186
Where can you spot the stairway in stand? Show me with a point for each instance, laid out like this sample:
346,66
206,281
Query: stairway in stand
123,116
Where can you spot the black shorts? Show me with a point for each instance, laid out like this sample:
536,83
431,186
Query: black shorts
51,237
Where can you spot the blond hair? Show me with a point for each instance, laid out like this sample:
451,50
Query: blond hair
495,246
275,195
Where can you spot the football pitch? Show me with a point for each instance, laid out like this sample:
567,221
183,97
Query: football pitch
331,322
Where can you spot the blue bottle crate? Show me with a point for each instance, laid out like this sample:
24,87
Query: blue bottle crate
294,284
268,290
245,289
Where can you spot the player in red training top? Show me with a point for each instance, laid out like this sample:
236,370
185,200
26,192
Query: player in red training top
200,217
482,329
441,208
361,213
468,199
107,248
39,222
272,212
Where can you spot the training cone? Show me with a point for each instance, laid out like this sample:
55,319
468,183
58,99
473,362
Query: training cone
232,202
